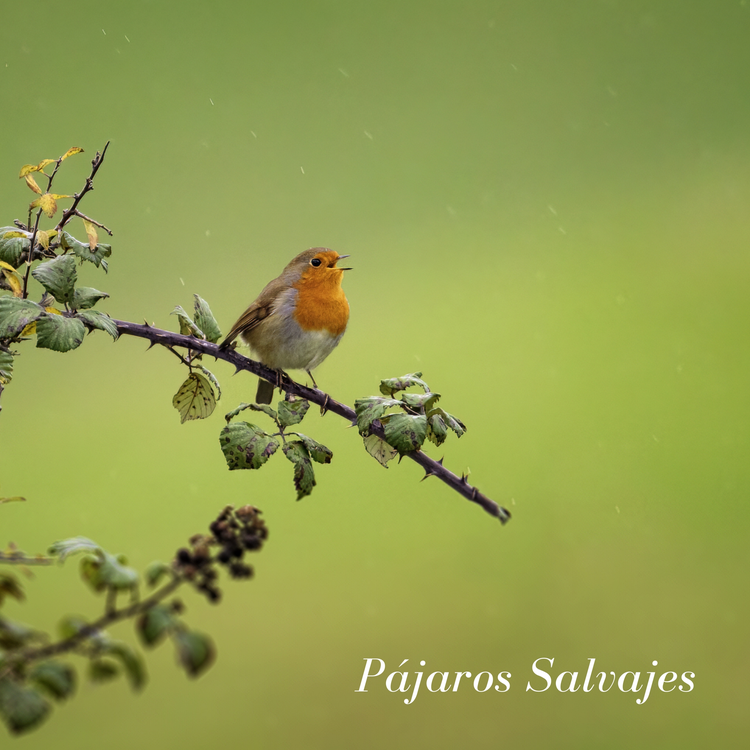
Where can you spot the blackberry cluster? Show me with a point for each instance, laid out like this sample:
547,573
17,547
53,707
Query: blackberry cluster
235,532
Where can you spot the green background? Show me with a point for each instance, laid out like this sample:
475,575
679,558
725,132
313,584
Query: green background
546,206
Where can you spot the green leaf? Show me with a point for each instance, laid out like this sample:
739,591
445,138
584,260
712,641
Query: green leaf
419,400
6,367
195,651
22,708
292,412
370,409
155,623
58,276
16,314
265,408
85,297
10,586
318,452
195,399
132,662
393,385
304,476
101,570
246,446
56,678
453,422
187,327
213,380
437,430
100,320
103,670
205,320
59,333
15,634
155,571
66,547
405,432
84,252
232,414
71,625
13,246
380,450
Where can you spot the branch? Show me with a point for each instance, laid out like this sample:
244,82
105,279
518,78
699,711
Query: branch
97,161
432,468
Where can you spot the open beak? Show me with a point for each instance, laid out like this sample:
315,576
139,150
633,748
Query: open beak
341,257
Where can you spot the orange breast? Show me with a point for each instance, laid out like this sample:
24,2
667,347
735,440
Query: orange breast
322,304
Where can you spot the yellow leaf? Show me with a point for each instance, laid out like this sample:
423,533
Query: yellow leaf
31,182
14,282
43,237
35,204
92,234
3,264
26,169
30,329
72,151
57,197
9,235
43,163
52,310
48,204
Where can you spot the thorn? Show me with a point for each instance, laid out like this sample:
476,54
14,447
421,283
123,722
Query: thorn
237,369
427,475
474,493
441,461
151,344
145,323
464,477
324,408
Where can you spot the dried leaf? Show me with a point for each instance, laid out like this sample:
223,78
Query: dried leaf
48,204
71,152
31,182
91,233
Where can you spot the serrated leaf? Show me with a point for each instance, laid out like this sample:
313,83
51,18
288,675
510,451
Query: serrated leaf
71,152
155,623
419,401
10,586
304,476
132,662
67,547
292,412
16,314
103,670
91,233
22,708
55,677
187,327
85,297
31,182
454,423
318,452
265,408
246,446
83,251
58,333
205,320
102,570
371,408
195,651
437,430
99,320
48,204
213,380
58,276
13,244
195,399
379,450
405,432
155,571
392,385
232,414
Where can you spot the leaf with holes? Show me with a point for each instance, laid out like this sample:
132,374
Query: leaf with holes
195,399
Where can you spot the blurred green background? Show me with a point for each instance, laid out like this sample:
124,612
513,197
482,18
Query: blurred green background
546,206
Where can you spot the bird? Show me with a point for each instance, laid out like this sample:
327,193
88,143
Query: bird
298,319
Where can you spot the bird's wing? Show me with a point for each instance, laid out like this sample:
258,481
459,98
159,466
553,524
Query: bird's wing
247,321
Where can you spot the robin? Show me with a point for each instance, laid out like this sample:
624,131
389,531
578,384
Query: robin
298,319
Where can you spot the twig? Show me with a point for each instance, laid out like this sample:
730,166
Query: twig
89,186
240,362
18,558
93,221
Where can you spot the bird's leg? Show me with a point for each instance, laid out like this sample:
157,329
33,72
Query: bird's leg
315,385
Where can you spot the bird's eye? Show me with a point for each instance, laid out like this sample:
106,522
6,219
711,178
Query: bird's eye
315,262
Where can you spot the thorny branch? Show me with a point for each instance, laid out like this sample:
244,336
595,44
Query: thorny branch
432,467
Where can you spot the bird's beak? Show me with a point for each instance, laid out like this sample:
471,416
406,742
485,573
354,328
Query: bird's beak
341,257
